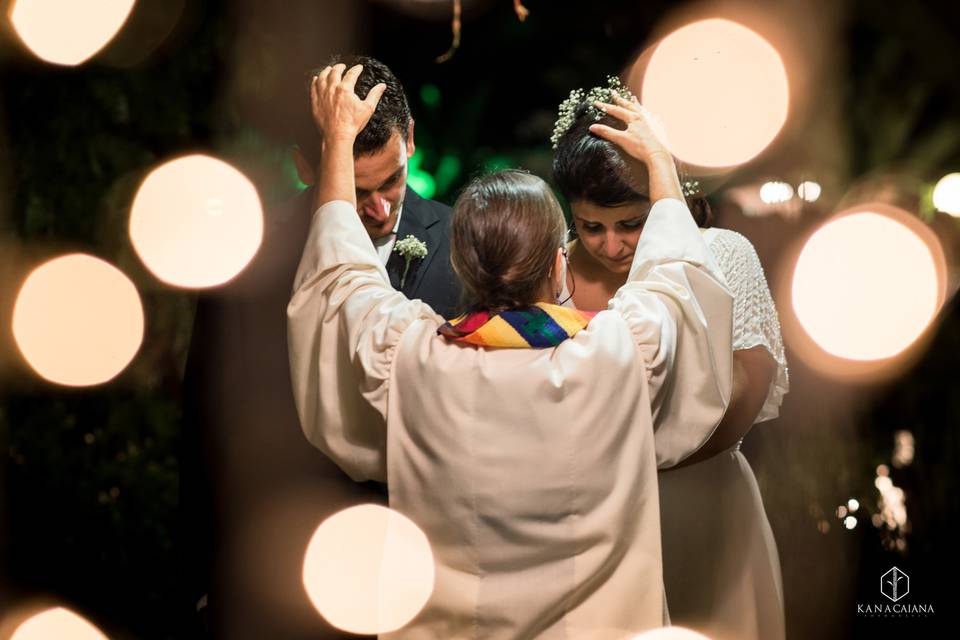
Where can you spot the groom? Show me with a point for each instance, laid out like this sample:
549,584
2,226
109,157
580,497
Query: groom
252,488
389,209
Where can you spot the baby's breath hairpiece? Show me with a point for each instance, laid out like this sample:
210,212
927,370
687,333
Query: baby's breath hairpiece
690,187
568,108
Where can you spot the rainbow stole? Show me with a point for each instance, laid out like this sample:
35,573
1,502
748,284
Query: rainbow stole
538,327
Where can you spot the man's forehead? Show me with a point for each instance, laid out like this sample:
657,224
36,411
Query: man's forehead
373,168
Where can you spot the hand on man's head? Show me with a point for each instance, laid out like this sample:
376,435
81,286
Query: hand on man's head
338,112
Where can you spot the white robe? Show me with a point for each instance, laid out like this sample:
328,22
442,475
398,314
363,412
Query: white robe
533,472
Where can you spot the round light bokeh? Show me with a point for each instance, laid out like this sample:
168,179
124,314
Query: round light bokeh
57,623
776,192
68,32
78,320
196,222
809,190
866,285
946,195
671,633
368,570
746,82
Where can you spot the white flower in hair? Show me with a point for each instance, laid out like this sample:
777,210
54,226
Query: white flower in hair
690,187
568,108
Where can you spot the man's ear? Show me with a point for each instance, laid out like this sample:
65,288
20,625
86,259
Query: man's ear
305,170
411,147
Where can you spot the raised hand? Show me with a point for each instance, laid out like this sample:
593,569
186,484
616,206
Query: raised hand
641,146
638,140
337,110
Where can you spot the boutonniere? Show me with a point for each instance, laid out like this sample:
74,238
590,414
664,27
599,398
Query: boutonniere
410,248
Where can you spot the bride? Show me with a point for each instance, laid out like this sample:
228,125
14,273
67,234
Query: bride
505,434
720,562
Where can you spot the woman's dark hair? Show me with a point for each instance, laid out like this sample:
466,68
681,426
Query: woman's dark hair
587,167
391,115
590,169
505,232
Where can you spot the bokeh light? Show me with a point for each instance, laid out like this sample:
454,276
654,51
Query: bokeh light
892,504
78,320
850,522
68,32
903,448
866,285
671,633
741,72
368,570
57,623
946,194
775,192
196,222
809,191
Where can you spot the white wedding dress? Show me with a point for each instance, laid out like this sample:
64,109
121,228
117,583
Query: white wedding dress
720,564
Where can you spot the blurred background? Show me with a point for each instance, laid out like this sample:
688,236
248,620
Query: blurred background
859,472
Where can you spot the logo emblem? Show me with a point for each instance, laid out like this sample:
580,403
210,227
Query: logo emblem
894,584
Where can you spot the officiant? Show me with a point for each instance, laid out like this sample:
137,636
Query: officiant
505,433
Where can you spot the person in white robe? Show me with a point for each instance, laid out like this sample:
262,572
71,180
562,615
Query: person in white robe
721,566
531,471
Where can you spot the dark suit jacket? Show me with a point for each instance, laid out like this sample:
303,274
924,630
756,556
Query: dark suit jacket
252,489
430,279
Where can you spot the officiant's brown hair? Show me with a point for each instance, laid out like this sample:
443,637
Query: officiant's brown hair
392,114
505,232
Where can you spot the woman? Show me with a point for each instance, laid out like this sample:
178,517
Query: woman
504,434
721,568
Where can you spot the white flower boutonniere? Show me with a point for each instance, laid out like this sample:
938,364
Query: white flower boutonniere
410,248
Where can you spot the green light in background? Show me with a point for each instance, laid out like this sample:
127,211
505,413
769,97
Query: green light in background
414,163
291,174
496,163
418,179
430,95
447,171
421,182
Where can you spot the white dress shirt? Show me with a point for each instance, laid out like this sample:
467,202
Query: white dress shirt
384,244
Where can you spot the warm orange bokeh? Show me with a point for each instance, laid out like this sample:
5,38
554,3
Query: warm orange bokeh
57,623
721,91
196,222
78,321
867,284
368,570
946,194
68,32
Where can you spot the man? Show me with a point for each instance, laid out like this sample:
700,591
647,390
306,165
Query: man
388,208
252,488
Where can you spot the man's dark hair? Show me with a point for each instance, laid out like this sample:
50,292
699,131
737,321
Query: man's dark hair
392,113
590,169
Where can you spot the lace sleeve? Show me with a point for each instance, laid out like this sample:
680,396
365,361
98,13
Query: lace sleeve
755,321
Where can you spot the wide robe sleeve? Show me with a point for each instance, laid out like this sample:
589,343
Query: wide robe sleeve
679,310
344,322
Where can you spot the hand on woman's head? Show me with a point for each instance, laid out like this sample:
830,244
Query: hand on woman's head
638,140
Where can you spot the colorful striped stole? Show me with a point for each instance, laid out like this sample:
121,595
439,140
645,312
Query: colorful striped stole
538,327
